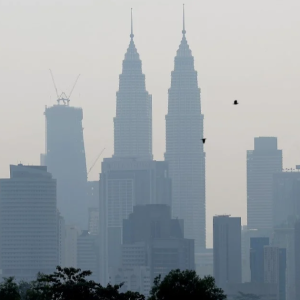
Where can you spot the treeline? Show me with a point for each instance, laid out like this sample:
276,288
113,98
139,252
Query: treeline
72,284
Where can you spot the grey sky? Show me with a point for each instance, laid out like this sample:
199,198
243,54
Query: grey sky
245,50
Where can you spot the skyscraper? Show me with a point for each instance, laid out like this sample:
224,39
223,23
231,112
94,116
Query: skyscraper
65,159
227,250
125,183
133,121
262,163
297,259
286,200
184,147
28,223
257,258
275,269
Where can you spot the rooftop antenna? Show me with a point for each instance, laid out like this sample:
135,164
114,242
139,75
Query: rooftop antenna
183,21
131,32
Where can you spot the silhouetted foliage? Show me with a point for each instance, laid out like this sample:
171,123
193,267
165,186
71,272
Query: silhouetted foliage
183,285
9,289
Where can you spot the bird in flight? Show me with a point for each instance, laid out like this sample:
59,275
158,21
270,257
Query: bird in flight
203,141
235,102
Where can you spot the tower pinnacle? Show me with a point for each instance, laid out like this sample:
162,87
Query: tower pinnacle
183,27
131,34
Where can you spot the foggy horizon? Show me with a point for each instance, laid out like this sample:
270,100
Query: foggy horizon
243,51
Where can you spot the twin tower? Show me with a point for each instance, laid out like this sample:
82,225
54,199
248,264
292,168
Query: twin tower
184,133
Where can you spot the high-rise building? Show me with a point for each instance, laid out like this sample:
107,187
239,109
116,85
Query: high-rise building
152,238
283,237
88,254
72,234
184,146
65,159
297,259
247,234
257,258
125,183
227,250
262,163
286,200
133,121
275,269
28,222
62,235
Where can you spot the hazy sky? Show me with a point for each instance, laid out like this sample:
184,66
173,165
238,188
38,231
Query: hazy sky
245,50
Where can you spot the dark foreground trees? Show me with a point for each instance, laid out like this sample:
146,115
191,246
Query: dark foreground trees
186,285
72,284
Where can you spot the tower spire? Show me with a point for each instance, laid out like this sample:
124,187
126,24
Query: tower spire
131,34
183,25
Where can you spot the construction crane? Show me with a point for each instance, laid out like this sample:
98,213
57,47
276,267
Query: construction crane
63,97
93,165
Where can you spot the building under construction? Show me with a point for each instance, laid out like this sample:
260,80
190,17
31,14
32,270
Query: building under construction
65,159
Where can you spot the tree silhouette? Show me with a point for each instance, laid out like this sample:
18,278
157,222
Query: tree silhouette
183,285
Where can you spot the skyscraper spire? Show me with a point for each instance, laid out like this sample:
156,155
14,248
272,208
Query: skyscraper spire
183,27
133,121
184,147
131,34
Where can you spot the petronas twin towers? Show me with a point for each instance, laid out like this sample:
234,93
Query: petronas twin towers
184,133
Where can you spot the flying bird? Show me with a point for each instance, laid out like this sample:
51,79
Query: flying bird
203,141
235,102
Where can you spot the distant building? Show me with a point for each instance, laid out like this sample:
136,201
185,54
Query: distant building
72,233
262,163
227,250
151,238
247,234
65,159
257,245
135,279
28,222
133,120
275,269
184,147
204,262
93,227
286,196
62,235
88,254
283,237
123,184
297,259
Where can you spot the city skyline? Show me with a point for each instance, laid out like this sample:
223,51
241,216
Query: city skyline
98,124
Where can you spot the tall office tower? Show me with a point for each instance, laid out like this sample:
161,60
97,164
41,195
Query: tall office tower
262,163
125,183
133,121
297,259
61,240
284,237
65,159
257,245
227,250
28,222
247,234
184,147
152,238
275,269
72,234
286,197
88,254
